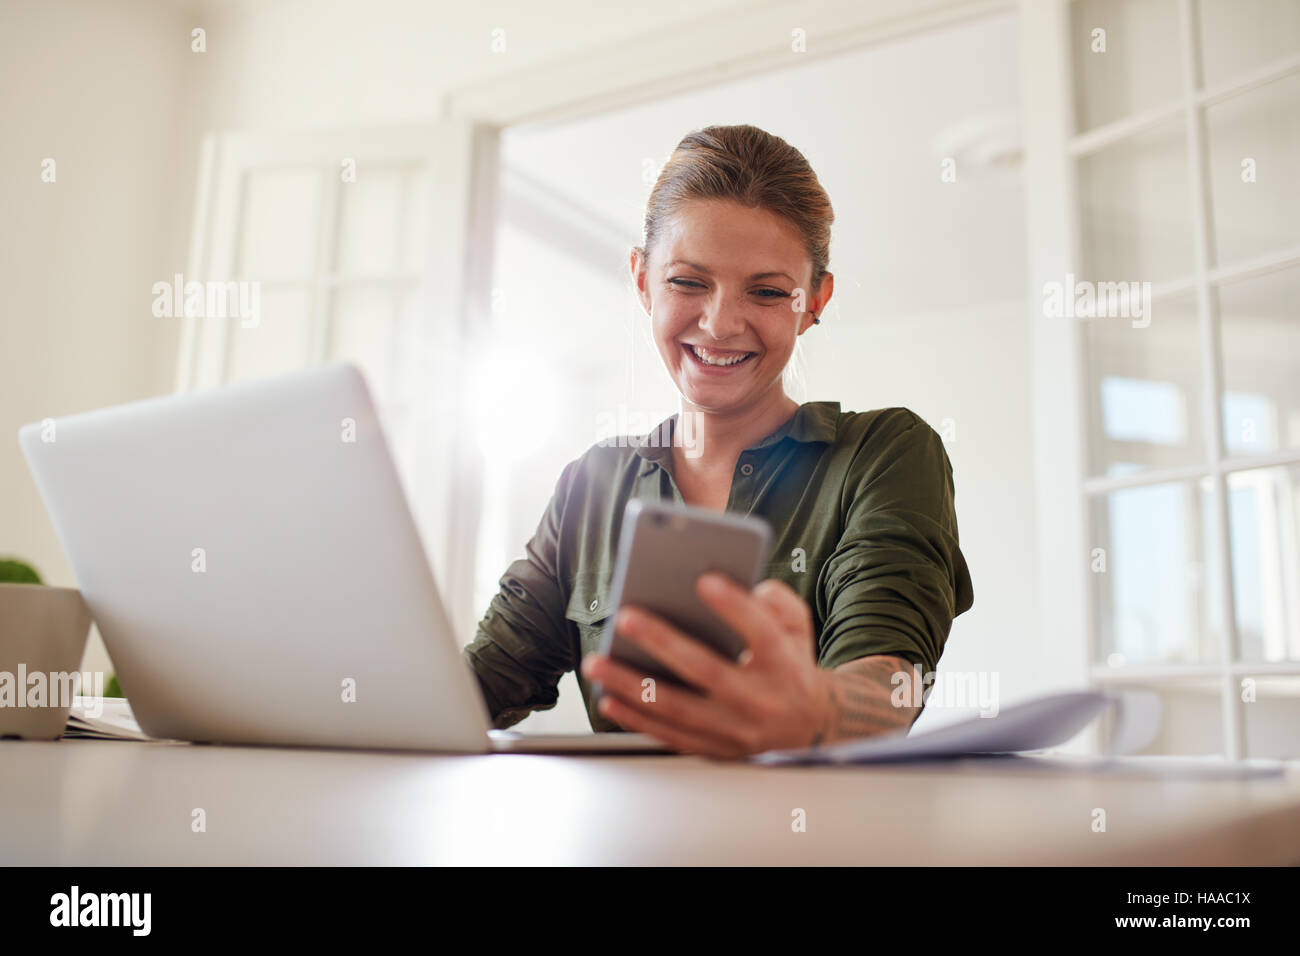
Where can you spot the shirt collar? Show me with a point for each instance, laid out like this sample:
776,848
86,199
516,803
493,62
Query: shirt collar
811,422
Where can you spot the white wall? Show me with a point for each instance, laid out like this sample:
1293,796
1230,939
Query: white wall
310,63
95,85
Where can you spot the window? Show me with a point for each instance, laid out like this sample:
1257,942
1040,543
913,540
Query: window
356,241
1186,142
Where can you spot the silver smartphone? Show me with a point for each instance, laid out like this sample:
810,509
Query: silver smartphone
663,548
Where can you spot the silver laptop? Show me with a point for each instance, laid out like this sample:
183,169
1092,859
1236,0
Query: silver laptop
252,564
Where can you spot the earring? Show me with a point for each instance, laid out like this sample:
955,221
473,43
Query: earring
816,321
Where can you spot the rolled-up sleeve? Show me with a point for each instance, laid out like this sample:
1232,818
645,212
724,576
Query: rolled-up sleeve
897,577
522,647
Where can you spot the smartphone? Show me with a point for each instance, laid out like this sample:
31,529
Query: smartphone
663,548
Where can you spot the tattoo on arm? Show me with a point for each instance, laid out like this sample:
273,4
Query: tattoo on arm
860,699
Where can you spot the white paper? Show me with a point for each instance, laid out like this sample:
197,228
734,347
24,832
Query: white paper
1033,725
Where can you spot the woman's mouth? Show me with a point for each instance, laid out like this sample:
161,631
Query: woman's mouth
717,360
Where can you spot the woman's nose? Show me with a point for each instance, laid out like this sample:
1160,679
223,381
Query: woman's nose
722,323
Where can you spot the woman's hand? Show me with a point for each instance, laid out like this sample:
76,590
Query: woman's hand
774,696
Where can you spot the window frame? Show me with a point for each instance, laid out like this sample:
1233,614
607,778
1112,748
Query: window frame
1206,277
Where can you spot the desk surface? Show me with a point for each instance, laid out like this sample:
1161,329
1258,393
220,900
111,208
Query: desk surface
95,803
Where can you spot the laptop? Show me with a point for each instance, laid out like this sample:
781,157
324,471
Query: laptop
256,574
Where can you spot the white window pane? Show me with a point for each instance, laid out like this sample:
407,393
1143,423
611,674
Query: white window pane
1264,518
1155,600
1238,36
1191,718
1144,390
369,222
1259,327
417,210
1272,717
279,342
361,331
1249,423
281,216
417,352
1136,409
1136,208
1141,66
1254,161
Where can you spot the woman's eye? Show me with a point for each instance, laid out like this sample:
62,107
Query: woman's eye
762,293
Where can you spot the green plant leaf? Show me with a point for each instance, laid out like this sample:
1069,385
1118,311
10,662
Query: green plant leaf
13,571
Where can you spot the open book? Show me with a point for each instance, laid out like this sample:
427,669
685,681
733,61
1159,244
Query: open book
103,718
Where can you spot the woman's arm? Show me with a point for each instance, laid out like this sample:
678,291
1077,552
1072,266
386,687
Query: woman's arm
522,647
866,697
887,596
897,577
774,697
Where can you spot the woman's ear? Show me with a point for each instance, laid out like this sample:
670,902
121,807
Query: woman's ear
817,305
824,292
637,264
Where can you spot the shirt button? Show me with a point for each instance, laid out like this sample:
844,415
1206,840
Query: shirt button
592,605
746,469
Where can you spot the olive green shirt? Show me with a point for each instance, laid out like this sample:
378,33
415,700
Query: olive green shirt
864,530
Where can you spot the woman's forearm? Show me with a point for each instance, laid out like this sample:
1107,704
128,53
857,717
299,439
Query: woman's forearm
862,699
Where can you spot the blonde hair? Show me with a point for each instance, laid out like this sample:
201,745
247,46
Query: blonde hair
749,166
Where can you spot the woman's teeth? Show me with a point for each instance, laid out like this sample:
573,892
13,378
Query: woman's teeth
709,357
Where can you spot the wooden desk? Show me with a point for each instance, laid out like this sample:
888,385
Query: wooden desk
94,803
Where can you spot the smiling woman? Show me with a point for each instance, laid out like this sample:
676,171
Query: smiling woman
865,575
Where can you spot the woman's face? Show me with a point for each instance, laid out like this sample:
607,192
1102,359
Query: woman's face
721,288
